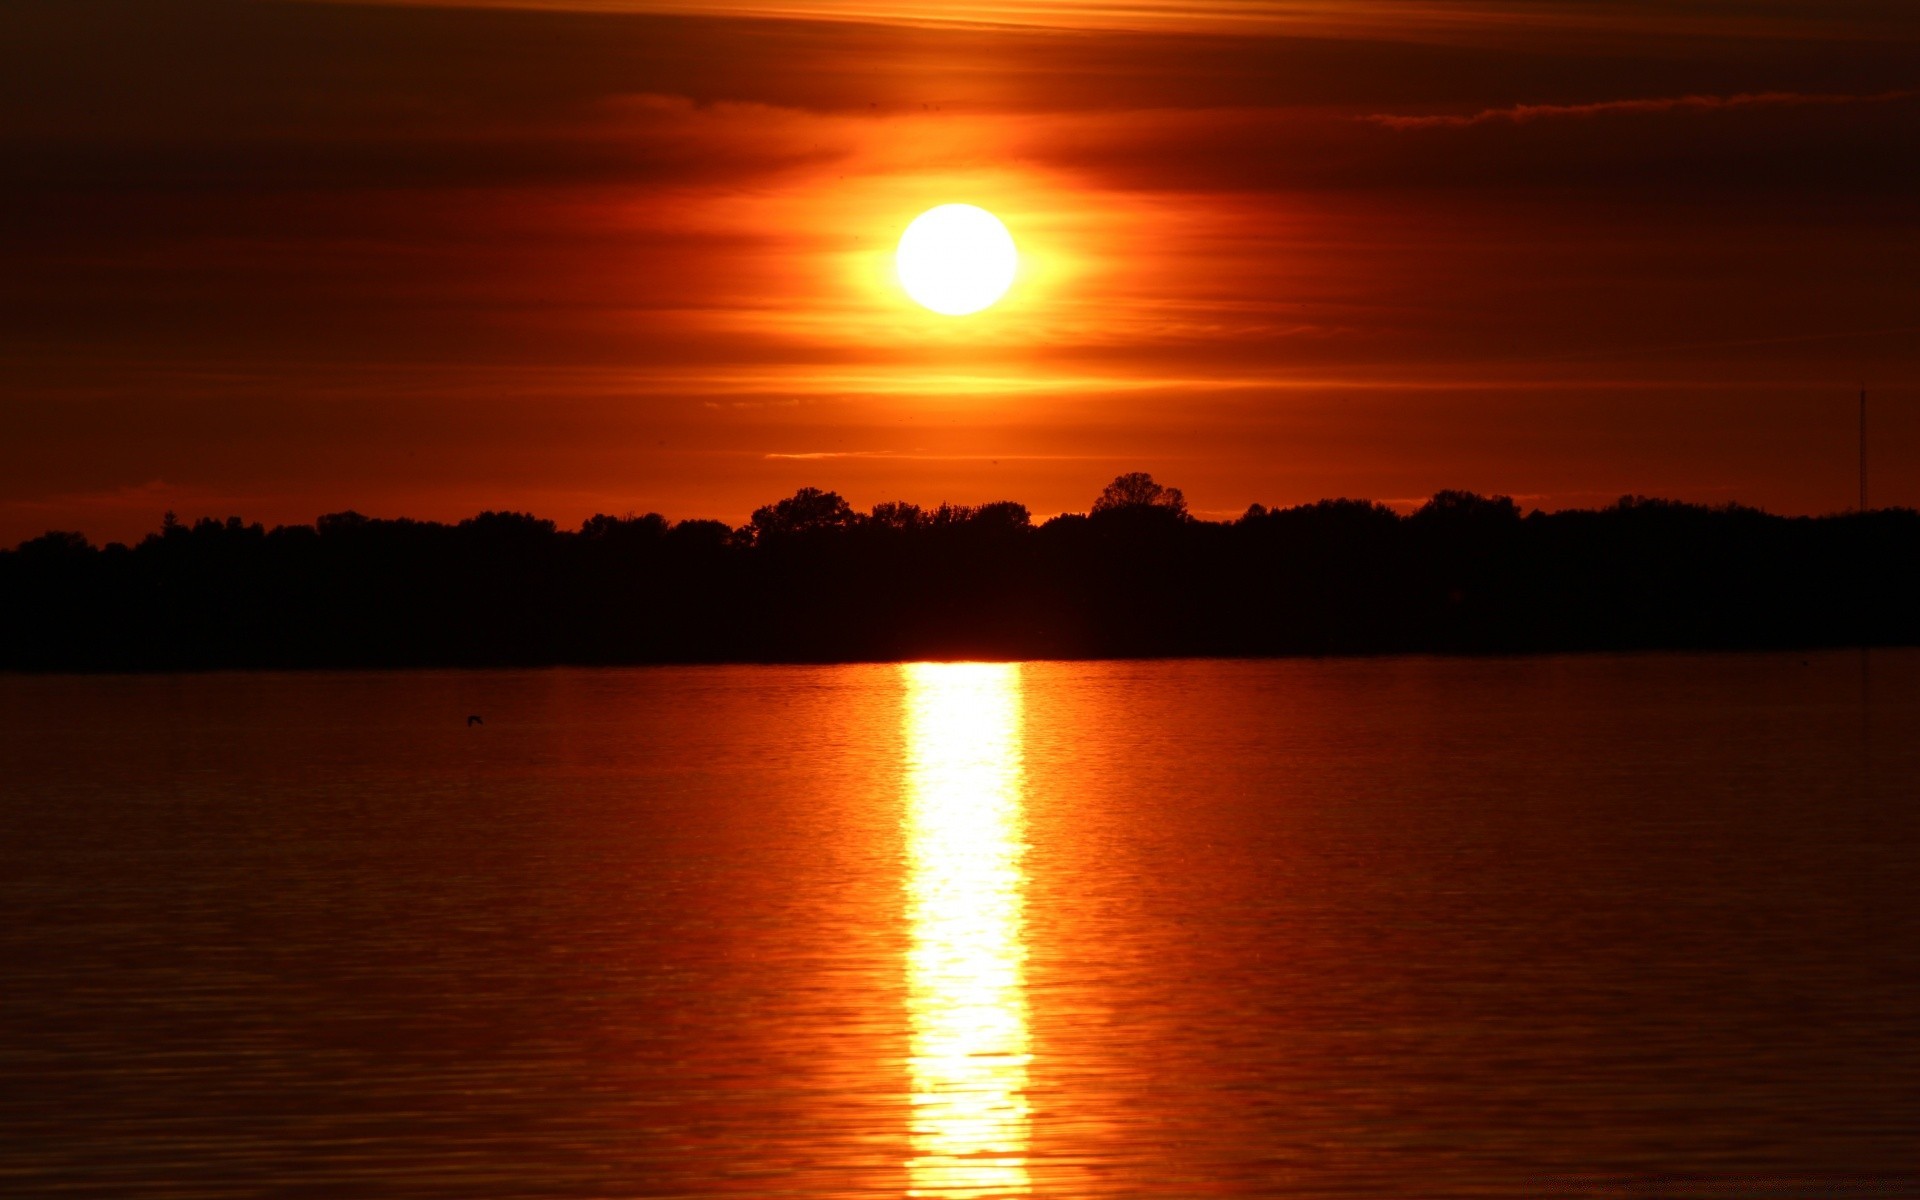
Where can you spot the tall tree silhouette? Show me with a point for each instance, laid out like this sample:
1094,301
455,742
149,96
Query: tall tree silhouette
1136,489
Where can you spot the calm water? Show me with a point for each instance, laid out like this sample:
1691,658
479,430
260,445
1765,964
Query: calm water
1578,926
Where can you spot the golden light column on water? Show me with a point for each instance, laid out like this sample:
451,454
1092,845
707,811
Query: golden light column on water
966,836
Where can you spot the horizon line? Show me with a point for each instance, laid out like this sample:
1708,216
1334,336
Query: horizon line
1400,507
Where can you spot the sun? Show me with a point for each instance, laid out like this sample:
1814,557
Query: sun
956,259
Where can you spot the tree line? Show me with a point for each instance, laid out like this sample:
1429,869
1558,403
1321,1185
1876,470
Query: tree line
810,578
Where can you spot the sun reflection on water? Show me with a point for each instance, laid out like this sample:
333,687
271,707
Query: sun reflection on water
966,835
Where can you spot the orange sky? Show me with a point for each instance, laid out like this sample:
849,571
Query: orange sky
278,259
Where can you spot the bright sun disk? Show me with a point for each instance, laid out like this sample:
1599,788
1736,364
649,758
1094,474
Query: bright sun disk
956,259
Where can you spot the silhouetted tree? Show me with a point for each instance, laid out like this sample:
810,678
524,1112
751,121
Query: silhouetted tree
897,514
1463,508
628,529
55,545
1135,490
339,523
808,510
1003,514
508,525
810,579
710,535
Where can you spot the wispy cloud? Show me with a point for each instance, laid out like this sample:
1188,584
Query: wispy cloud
1520,114
916,456
1397,19
153,496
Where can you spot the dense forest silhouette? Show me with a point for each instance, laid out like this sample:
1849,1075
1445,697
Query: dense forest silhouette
811,579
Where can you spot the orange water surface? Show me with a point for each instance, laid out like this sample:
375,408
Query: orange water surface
1608,925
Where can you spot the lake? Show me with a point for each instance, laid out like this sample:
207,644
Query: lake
1608,925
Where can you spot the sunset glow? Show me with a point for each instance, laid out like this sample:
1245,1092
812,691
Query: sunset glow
596,257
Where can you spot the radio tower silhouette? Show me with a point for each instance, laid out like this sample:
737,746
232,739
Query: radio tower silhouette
1863,449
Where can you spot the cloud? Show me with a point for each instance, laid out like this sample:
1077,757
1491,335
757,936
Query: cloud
916,456
1401,20
1520,114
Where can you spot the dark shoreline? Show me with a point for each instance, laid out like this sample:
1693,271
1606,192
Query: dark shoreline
811,581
